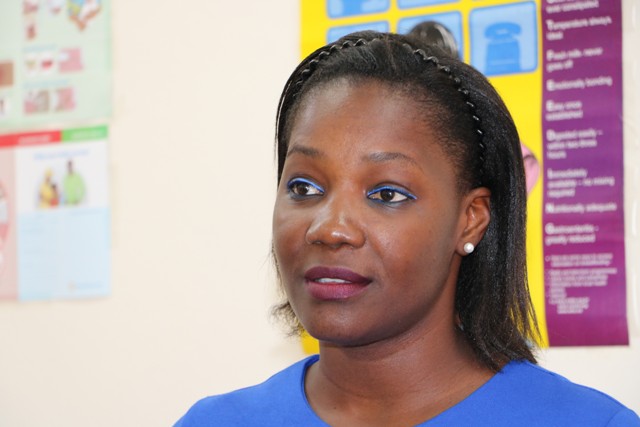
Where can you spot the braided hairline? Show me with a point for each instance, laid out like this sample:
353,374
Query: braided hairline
306,73
293,88
422,55
467,98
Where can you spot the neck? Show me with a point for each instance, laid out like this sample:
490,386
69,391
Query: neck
418,375
412,362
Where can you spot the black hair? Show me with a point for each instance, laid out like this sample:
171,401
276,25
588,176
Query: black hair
479,136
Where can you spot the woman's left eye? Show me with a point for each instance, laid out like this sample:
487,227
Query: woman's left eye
390,195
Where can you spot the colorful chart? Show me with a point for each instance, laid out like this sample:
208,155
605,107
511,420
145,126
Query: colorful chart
558,66
55,62
56,233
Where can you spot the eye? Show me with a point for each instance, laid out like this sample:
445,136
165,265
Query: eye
389,195
300,188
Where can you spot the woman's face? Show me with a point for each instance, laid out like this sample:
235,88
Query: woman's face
368,224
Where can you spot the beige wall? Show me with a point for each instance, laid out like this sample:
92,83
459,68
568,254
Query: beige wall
196,86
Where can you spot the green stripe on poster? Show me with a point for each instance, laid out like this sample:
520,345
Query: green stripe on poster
85,134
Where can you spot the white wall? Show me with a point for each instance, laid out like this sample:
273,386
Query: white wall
196,86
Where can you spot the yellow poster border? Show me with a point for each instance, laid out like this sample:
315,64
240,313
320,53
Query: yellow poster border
521,92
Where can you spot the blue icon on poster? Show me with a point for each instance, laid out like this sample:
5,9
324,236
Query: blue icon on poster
504,39
335,33
503,48
341,8
452,23
407,4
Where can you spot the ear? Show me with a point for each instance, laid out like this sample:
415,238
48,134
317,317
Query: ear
475,219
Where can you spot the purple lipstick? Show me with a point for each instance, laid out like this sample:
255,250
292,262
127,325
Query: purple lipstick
334,283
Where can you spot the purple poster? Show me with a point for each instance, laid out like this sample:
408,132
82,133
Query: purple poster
583,217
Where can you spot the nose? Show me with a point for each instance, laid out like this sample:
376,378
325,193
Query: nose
336,224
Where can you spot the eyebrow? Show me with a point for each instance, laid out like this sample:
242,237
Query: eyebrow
307,151
385,156
377,157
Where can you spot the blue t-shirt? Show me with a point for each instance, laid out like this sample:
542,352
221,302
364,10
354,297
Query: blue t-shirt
521,394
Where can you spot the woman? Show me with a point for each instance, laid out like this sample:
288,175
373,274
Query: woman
398,233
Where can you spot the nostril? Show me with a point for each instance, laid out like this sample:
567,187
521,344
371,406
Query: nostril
335,234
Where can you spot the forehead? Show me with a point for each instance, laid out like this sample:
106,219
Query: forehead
367,94
366,111
345,122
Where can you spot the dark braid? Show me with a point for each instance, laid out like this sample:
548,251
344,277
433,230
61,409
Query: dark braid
467,99
322,54
295,84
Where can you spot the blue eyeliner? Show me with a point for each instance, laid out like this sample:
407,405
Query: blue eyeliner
404,193
296,181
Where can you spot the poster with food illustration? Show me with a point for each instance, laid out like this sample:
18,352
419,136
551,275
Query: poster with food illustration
55,62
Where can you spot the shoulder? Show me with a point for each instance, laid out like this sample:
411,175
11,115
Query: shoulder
529,392
541,383
273,402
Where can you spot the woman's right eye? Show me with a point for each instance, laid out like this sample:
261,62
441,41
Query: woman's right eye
300,187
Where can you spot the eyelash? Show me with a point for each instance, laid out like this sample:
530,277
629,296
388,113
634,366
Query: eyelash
294,185
378,190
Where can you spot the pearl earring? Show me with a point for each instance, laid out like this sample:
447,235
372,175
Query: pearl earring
468,247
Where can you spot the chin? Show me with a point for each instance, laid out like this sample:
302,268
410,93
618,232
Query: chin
342,335
335,334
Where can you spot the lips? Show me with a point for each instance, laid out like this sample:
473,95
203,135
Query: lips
334,283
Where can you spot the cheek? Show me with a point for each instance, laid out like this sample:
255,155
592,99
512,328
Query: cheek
410,258
288,235
423,252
